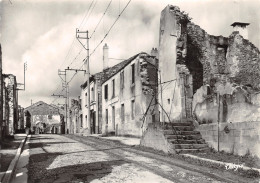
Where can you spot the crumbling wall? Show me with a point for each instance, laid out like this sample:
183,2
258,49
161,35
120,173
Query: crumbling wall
224,65
206,55
243,61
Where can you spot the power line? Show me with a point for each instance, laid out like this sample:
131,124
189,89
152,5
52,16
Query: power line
100,19
86,13
111,27
104,37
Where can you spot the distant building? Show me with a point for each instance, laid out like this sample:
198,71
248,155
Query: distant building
44,118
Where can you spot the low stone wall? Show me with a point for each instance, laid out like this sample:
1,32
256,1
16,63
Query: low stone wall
237,138
154,137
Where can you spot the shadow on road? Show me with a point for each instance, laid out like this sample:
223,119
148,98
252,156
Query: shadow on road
39,171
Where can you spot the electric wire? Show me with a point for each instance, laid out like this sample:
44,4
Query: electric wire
100,19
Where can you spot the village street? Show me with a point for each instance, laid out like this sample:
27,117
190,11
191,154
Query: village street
56,158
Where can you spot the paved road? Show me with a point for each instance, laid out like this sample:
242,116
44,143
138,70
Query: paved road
55,158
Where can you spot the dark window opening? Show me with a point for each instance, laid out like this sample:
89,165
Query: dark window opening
122,112
113,88
122,80
133,109
133,73
106,116
106,92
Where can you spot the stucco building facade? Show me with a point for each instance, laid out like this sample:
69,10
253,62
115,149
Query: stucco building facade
128,97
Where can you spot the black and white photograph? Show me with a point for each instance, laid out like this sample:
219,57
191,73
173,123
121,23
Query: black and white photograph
129,91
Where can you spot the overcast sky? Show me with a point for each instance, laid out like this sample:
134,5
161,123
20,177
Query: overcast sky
42,32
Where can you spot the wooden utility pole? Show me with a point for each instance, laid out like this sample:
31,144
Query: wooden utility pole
86,67
63,73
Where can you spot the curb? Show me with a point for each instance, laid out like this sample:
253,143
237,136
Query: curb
11,169
221,164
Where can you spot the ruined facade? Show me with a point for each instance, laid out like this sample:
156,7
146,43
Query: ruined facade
20,118
208,78
129,97
75,116
202,66
10,104
1,96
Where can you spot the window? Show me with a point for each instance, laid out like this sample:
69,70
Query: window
133,109
106,91
113,88
133,73
86,99
106,116
81,121
153,118
122,112
122,80
92,94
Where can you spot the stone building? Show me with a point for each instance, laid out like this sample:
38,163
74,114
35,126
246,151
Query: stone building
75,116
128,96
1,96
95,103
44,118
96,93
211,80
11,103
20,118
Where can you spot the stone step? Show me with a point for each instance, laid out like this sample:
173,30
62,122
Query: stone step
182,128
184,151
173,132
178,124
183,141
190,146
184,137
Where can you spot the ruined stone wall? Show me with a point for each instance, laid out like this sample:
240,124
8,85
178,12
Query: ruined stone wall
243,60
236,138
206,55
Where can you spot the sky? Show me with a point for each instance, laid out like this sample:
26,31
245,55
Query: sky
43,34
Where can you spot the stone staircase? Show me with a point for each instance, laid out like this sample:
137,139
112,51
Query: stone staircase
183,137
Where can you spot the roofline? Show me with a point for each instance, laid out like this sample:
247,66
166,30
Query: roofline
127,63
54,106
239,23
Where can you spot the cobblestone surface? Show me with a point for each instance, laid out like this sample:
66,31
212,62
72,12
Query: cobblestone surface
59,159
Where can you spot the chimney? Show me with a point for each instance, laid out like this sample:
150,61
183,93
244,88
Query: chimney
241,28
154,52
105,56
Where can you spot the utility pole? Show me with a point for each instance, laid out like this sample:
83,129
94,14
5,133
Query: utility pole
63,73
63,130
86,67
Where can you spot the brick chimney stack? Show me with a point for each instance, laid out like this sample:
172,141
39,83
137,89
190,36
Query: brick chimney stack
154,52
105,56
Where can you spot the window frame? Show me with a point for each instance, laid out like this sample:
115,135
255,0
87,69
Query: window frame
133,73
106,92
122,113
133,109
